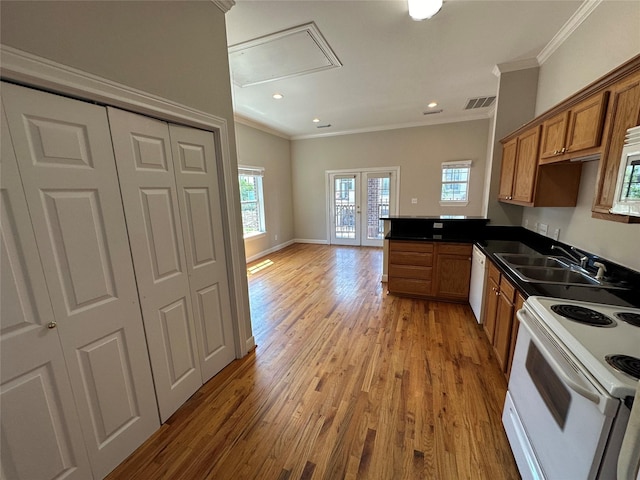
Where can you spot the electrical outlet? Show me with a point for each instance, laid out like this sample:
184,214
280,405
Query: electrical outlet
535,227
526,223
556,234
414,200
543,228
275,237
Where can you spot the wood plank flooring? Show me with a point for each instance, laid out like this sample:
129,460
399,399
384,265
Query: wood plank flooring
346,382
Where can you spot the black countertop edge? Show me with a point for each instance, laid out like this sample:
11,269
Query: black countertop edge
437,218
622,297
515,239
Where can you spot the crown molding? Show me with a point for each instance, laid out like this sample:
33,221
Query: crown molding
585,9
514,66
382,128
259,126
224,5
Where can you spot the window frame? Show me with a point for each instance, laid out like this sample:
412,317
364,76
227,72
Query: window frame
258,173
460,164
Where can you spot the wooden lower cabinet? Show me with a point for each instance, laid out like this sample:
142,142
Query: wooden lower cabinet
429,269
502,301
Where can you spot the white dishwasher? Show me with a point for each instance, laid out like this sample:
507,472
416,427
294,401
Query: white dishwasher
476,288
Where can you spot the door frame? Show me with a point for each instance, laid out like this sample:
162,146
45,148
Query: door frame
38,72
361,171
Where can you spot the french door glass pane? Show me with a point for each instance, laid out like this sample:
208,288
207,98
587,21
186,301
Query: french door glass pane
377,206
345,208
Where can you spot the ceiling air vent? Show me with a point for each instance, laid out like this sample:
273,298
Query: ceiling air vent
324,126
431,112
480,102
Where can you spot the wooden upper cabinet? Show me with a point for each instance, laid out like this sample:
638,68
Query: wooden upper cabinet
554,133
508,170
526,166
577,131
623,113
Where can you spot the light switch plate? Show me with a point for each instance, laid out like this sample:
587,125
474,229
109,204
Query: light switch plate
414,200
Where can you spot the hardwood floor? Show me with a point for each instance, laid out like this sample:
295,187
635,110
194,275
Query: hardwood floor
346,382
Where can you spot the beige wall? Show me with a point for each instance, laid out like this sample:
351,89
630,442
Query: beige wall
174,49
259,149
606,39
417,151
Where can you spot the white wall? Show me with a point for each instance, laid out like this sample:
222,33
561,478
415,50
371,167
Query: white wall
607,38
174,49
418,152
260,149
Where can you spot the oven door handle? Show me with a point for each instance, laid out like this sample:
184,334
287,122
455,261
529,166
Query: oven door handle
557,367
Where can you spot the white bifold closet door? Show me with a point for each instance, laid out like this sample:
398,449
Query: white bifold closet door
67,169
41,435
169,191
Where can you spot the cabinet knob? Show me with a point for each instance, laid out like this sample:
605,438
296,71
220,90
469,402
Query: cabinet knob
51,325
563,150
555,152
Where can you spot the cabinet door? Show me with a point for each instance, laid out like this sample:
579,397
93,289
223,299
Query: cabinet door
453,271
526,166
553,135
515,326
66,163
585,123
623,113
504,319
491,307
196,171
145,168
41,436
507,170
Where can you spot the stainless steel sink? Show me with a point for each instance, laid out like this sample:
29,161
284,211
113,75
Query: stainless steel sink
556,275
532,260
547,269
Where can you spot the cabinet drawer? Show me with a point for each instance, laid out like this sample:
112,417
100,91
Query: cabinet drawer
418,259
410,271
494,273
400,246
409,286
455,248
507,290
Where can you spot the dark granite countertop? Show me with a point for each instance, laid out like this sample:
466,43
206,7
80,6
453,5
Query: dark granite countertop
499,239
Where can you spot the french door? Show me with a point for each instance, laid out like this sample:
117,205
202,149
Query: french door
357,200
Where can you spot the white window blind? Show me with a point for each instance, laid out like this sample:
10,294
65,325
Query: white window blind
455,182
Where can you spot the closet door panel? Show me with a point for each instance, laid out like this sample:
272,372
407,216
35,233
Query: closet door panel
196,171
39,419
147,181
67,167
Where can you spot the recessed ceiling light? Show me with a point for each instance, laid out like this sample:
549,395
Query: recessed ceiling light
316,120
278,96
432,105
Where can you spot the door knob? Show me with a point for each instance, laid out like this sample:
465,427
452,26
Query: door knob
51,325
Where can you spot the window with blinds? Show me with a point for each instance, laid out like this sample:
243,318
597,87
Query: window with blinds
455,182
251,200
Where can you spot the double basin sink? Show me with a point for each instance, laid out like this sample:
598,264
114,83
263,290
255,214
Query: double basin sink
549,269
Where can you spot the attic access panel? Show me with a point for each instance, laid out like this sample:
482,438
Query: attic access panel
296,51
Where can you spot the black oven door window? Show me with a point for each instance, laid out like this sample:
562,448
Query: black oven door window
554,393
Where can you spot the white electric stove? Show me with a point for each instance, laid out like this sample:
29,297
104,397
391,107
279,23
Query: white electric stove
597,337
568,401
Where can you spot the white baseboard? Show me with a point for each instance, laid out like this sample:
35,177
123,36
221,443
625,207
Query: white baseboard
249,344
270,250
311,240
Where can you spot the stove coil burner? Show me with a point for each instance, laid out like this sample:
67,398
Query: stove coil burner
583,315
629,317
625,364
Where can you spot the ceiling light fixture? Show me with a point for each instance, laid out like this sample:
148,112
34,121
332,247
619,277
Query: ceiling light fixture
432,105
422,9
316,120
278,96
